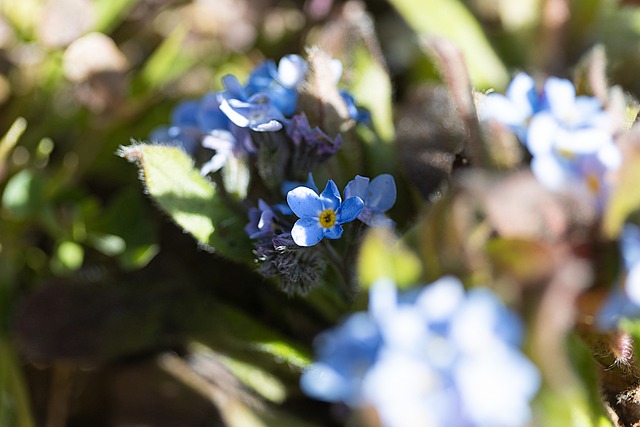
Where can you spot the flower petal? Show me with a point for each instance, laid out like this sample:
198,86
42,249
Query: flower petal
307,232
330,196
304,202
349,210
381,194
334,232
357,187
291,70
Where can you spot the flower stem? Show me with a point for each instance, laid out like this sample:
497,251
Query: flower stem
344,277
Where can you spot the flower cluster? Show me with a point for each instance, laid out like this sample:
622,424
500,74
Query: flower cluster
569,137
261,126
439,357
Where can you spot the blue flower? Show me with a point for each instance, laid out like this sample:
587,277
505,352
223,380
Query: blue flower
255,112
320,215
568,123
262,221
514,110
379,196
439,357
344,354
360,115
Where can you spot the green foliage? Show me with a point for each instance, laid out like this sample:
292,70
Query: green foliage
191,200
452,20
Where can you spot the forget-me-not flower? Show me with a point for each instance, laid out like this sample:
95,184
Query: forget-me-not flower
320,215
570,137
262,221
516,107
439,357
379,195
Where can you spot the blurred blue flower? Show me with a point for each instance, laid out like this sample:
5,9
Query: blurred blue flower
255,112
183,131
441,358
379,196
516,108
569,137
568,123
360,115
344,354
320,215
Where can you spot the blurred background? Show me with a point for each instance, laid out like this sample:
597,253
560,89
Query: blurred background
109,314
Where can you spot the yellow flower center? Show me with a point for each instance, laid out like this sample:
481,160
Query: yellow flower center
327,218
593,183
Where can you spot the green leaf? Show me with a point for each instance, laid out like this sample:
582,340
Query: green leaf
452,20
169,61
382,255
223,327
15,405
23,196
371,73
111,12
258,379
190,199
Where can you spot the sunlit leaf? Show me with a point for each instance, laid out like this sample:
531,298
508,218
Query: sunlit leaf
451,19
23,195
190,199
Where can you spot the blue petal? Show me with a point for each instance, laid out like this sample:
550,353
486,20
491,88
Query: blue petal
630,243
291,71
560,95
502,109
349,210
304,202
209,116
330,196
522,91
185,114
322,382
334,232
381,194
357,187
234,89
261,77
307,232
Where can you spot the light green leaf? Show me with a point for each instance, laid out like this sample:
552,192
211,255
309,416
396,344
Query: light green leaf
111,12
260,380
452,20
169,61
370,73
15,404
382,255
23,195
190,199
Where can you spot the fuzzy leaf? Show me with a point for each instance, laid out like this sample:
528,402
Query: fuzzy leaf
190,199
